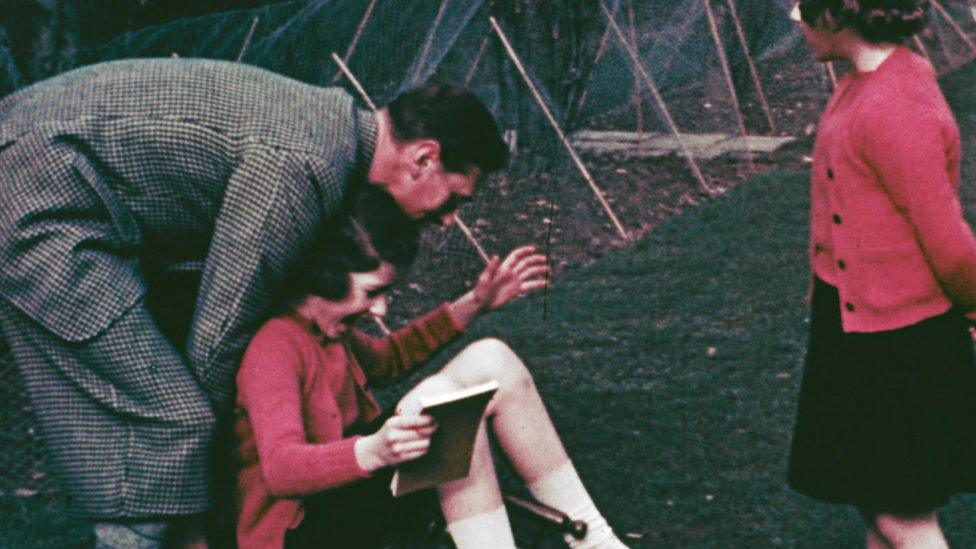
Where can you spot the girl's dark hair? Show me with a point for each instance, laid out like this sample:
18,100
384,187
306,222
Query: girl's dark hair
456,119
377,230
874,20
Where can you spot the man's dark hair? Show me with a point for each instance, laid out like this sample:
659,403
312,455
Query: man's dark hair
377,230
456,119
874,20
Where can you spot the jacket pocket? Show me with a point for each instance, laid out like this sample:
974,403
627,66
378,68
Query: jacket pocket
68,248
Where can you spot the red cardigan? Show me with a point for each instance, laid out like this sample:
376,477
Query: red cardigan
886,224
297,394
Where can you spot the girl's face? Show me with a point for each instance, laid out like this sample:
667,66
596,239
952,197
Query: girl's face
824,43
367,292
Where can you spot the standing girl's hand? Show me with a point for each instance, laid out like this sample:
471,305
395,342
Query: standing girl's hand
523,271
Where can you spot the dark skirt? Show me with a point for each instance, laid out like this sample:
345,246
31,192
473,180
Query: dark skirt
886,421
365,515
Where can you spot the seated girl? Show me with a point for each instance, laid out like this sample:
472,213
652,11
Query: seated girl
317,450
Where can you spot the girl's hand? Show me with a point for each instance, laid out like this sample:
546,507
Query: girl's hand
523,271
401,438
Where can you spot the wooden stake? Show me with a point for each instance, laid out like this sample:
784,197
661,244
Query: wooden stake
600,51
649,82
733,11
429,42
247,39
727,71
372,106
955,26
355,38
559,132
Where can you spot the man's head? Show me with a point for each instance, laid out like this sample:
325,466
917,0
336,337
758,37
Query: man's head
433,144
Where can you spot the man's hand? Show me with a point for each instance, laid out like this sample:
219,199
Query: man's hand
523,271
401,438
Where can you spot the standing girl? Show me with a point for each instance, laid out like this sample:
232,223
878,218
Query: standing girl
887,408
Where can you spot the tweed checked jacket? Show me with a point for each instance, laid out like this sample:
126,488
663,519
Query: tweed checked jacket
172,164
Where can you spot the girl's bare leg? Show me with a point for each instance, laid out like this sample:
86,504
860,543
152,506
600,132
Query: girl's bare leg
525,432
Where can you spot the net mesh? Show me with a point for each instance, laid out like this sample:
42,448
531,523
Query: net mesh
585,69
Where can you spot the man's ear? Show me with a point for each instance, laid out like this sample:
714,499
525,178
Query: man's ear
426,153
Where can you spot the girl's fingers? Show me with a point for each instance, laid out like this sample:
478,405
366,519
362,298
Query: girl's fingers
412,446
531,261
533,272
517,254
532,285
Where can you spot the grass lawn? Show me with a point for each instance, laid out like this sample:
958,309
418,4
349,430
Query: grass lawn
672,369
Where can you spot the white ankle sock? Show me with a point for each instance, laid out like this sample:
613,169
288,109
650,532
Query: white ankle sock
488,530
564,490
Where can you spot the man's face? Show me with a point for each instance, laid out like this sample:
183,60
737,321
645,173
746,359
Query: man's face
428,192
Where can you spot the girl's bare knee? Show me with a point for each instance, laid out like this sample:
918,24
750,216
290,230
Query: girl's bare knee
498,361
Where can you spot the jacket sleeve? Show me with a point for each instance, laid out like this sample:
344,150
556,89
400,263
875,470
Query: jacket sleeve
913,152
271,209
388,359
270,391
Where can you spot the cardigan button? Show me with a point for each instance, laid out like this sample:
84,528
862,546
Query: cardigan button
836,219
841,265
830,173
849,306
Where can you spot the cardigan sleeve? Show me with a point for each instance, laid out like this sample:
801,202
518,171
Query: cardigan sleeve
388,359
270,390
913,150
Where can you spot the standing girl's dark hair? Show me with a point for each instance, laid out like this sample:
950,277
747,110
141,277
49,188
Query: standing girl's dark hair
875,20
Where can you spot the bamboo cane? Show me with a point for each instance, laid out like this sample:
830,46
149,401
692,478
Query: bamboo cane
470,236
921,47
355,37
727,71
954,25
372,106
832,74
638,107
477,60
649,82
379,322
355,82
600,51
247,39
429,42
559,132
734,12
